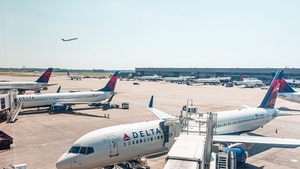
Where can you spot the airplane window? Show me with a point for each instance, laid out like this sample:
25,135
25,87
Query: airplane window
124,144
161,137
137,141
141,140
83,150
74,149
90,150
148,139
133,142
151,138
157,137
144,139
129,143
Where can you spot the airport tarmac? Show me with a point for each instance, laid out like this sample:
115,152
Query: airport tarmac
40,138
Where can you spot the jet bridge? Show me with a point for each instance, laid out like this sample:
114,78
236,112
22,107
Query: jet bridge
10,107
192,149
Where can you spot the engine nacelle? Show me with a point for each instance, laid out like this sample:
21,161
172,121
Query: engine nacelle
58,107
240,153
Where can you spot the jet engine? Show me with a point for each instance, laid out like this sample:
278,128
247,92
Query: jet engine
57,107
240,153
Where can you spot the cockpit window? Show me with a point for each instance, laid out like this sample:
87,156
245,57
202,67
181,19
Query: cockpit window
81,150
90,150
74,149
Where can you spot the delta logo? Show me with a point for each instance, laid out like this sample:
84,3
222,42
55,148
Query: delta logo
126,137
142,133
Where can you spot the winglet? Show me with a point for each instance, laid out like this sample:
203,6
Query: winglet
58,89
271,95
44,78
111,84
151,102
159,114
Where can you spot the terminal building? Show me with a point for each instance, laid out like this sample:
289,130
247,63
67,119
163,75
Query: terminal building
264,74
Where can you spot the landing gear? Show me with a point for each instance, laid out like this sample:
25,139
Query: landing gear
109,167
69,108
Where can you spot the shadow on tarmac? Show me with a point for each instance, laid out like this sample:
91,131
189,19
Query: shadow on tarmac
72,112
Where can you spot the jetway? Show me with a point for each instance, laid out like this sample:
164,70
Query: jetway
193,148
10,106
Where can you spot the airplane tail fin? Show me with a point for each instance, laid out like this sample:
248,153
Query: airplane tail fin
44,78
285,87
111,84
271,95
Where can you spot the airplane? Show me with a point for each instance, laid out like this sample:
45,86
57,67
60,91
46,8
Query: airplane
149,78
75,77
63,101
286,92
179,79
211,81
40,84
65,40
112,145
293,82
250,82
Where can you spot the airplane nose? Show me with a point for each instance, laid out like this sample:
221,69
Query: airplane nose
63,162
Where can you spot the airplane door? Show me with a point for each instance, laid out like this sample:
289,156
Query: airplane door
113,146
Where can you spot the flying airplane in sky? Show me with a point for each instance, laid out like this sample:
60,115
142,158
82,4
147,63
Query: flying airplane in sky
61,101
286,92
66,40
40,84
116,144
75,77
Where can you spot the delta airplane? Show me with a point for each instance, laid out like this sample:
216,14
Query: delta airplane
149,78
116,144
286,92
66,40
75,77
61,101
252,82
40,84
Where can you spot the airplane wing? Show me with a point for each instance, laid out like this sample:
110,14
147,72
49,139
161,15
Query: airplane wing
255,139
159,114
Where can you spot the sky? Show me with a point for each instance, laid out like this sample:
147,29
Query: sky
126,34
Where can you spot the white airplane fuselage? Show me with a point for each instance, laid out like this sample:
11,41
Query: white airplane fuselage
243,120
228,122
290,96
43,100
113,145
23,85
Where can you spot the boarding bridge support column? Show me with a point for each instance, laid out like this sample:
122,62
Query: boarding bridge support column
208,141
14,106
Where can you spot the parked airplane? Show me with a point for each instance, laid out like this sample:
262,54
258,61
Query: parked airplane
75,77
286,92
293,82
65,40
40,84
179,79
211,81
116,144
149,78
61,101
252,82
